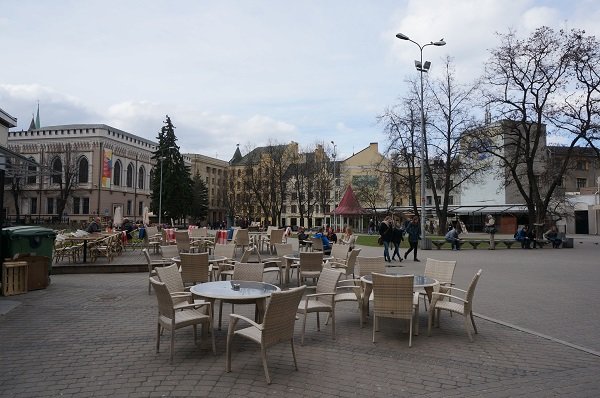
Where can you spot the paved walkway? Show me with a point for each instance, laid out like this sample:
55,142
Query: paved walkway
94,335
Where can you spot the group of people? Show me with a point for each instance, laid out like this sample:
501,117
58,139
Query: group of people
392,232
328,237
95,226
528,238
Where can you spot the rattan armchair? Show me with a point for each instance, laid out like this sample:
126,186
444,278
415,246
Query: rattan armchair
394,297
322,300
171,277
194,268
368,265
169,251
310,266
182,238
443,272
278,326
339,253
171,318
152,264
347,266
462,306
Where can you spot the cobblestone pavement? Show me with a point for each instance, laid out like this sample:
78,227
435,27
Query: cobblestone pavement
94,335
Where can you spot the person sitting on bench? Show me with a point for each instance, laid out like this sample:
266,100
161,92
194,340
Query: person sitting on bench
452,237
552,236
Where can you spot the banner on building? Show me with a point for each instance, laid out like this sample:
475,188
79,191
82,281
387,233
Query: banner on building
106,167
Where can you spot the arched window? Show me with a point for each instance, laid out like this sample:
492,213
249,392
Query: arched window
31,173
117,173
83,170
130,175
57,170
141,175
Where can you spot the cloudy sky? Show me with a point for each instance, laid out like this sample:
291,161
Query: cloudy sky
246,72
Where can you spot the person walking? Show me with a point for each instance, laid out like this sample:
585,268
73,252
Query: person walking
490,228
386,232
413,230
397,238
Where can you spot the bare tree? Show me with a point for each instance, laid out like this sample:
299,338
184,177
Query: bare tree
548,77
448,166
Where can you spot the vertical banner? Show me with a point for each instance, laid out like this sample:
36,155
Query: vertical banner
106,168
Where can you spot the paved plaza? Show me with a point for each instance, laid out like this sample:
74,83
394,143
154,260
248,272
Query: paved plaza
94,335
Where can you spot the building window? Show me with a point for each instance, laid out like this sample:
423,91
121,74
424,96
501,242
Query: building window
57,171
130,175
294,196
294,209
428,200
582,165
76,205
50,206
581,183
32,205
450,200
83,170
85,205
117,173
32,173
140,209
283,209
129,207
141,175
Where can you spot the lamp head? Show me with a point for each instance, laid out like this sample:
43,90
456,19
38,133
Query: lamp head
439,43
402,36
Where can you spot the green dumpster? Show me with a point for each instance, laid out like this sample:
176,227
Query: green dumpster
32,240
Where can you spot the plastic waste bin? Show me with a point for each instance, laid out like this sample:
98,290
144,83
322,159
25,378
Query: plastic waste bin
32,240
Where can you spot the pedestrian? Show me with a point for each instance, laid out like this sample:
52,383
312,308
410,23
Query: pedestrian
332,236
490,228
452,237
413,230
371,226
397,238
349,239
386,231
326,245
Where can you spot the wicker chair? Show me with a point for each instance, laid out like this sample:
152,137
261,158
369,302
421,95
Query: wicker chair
368,265
394,297
348,266
310,266
350,290
339,253
241,239
275,237
322,300
285,249
169,251
171,277
443,272
182,238
464,307
153,264
231,265
223,250
277,326
317,244
243,272
194,268
172,319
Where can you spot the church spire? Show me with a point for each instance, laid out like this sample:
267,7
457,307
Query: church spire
37,118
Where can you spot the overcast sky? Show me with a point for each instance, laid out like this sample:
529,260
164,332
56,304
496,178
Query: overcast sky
246,72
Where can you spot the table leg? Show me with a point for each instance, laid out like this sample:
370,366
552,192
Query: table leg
85,251
367,288
429,292
260,309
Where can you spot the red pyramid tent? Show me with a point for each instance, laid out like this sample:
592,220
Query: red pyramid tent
349,204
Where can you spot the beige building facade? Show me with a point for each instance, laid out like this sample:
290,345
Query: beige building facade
214,173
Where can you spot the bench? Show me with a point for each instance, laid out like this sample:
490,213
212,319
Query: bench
439,243
475,242
508,243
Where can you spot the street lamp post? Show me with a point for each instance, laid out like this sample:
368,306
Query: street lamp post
334,184
161,158
422,67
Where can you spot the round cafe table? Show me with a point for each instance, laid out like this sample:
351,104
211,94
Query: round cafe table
236,292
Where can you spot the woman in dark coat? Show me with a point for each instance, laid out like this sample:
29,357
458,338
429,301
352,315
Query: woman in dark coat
397,238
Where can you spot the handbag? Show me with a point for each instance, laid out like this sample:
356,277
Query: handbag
380,241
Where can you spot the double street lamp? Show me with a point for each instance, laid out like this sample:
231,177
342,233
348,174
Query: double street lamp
334,184
160,190
422,68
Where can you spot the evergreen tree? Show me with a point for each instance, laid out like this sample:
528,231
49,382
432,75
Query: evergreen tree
176,180
199,208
